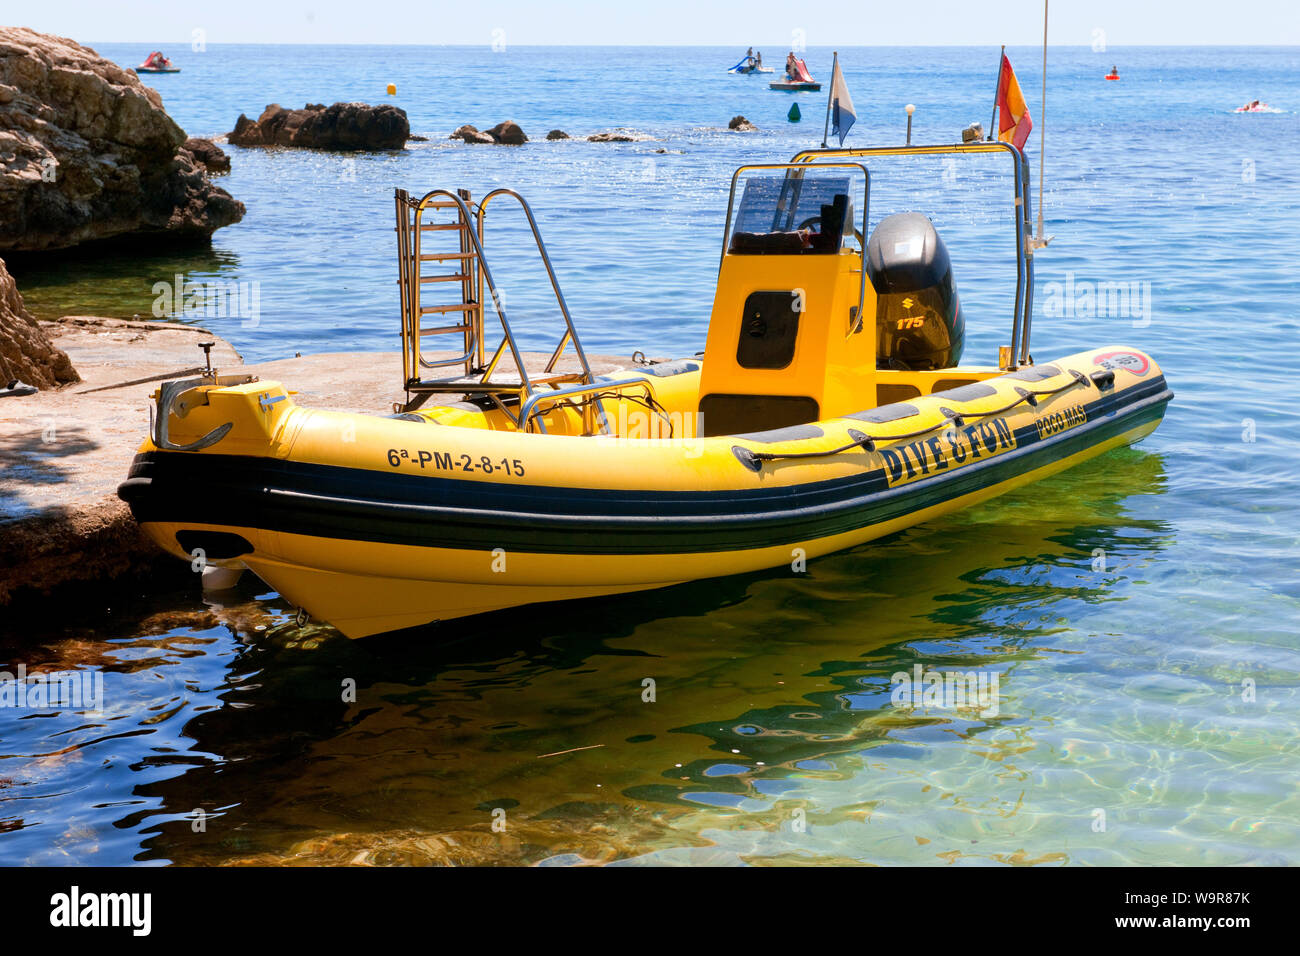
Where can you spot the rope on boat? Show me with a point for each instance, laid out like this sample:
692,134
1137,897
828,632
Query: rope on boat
649,402
754,459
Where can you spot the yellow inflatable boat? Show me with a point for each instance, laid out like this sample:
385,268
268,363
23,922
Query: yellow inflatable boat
828,409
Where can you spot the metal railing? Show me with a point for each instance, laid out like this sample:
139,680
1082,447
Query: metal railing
531,406
1023,312
475,279
798,169
570,333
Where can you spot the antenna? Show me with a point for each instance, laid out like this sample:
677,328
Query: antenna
1039,241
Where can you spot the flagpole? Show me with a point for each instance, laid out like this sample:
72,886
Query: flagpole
1042,130
829,96
993,120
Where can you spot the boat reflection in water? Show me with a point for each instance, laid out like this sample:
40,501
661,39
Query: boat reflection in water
771,708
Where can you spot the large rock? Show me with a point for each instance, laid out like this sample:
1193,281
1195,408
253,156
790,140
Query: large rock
87,153
26,352
343,126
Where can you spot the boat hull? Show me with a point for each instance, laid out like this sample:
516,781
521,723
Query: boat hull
388,529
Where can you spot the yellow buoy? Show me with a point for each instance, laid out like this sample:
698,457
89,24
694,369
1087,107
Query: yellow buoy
392,89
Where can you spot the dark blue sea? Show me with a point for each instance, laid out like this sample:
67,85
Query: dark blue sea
1142,612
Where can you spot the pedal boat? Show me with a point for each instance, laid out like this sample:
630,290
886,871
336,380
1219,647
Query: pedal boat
795,86
800,81
829,409
157,63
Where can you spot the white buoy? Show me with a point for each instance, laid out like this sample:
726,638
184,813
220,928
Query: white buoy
220,579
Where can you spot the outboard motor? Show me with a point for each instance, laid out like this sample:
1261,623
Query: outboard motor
918,317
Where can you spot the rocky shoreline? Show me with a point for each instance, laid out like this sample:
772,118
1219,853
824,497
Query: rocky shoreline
88,154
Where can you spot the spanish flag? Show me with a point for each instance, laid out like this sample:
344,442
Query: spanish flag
1014,123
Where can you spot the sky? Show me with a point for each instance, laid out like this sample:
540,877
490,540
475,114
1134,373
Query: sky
669,22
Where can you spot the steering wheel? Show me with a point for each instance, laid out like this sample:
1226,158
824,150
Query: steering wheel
811,220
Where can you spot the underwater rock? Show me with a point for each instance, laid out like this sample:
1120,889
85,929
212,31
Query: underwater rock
343,126
87,152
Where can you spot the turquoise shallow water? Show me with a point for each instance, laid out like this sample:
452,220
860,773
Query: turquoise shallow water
772,736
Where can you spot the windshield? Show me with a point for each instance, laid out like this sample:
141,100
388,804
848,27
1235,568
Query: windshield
798,210
783,203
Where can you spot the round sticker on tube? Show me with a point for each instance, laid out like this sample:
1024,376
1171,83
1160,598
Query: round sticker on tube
1134,362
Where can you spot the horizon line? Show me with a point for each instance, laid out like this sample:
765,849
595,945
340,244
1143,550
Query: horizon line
675,46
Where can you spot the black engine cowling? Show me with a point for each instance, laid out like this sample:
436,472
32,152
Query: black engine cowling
918,316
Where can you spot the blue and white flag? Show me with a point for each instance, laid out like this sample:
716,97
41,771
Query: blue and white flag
843,116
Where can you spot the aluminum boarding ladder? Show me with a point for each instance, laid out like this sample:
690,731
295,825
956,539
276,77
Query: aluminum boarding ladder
478,376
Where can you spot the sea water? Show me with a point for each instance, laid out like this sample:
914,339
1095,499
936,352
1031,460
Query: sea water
1136,618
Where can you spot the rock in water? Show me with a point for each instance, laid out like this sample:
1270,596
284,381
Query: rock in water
26,352
508,134
471,134
208,154
557,134
343,126
741,125
89,153
503,134
610,138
